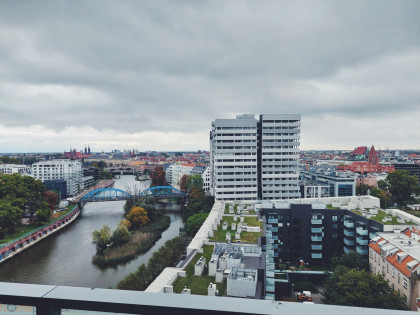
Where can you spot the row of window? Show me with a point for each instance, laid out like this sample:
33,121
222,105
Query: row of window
236,128
236,160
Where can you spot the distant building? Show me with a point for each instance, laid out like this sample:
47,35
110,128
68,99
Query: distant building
373,157
15,168
367,179
68,170
74,155
411,168
341,183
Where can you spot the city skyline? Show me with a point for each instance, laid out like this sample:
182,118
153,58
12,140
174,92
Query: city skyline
152,77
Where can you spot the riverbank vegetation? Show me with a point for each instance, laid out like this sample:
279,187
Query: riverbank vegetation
23,197
168,255
137,233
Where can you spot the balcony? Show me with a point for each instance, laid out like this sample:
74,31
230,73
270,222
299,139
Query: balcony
362,231
316,230
348,242
316,238
348,233
348,224
361,241
372,235
348,249
316,247
361,250
316,255
271,221
316,221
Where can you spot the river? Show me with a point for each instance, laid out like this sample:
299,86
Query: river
65,258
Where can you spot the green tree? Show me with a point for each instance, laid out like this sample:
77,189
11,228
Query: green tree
402,186
194,181
352,260
383,185
43,214
102,238
9,214
194,223
121,235
360,288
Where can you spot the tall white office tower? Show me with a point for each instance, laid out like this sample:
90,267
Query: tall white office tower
253,158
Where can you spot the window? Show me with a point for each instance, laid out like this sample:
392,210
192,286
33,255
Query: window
399,280
383,270
393,273
371,253
405,298
387,268
405,284
334,218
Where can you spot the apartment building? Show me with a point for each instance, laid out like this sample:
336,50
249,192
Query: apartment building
396,256
15,168
253,158
69,170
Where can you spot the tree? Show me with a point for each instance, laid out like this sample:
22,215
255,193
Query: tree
194,223
125,223
138,217
402,186
360,288
121,235
183,183
383,185
9,214
102,238
158,177
138,280
51,197
43,214
194,181
352,260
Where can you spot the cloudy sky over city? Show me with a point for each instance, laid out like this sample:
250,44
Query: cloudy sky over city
153,75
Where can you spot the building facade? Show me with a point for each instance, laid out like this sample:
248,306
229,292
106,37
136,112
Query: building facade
69,170
341,184
253,158
15,168
396,256
411,168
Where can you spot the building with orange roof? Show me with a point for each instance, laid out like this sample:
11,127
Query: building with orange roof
396,256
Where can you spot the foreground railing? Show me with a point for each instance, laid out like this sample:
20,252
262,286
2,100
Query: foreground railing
50,299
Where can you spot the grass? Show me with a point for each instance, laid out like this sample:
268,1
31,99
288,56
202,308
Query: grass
381,215
332,208
246,237
198,284
23,229
19,231
141,241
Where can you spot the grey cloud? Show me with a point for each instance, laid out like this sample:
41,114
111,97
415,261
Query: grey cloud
175,66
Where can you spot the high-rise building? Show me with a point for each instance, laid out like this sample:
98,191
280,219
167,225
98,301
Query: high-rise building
254,159
69,170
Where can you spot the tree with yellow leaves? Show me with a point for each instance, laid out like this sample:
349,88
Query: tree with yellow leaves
138,217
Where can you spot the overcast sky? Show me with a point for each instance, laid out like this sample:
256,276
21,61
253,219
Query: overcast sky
152,75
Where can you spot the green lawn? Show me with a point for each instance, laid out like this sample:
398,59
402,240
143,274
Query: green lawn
381,215
20,230
23,229
198,284
246,237
332,208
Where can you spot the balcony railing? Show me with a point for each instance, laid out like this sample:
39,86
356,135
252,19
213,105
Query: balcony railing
362,231
348,233
348,242
316,255
316,230
348,249
316,238
349,224
316,221
316,247
361,241
361,250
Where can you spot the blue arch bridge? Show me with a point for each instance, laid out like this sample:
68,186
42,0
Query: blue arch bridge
113,194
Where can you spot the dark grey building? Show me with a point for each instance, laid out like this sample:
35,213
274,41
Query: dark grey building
57,185
411,168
